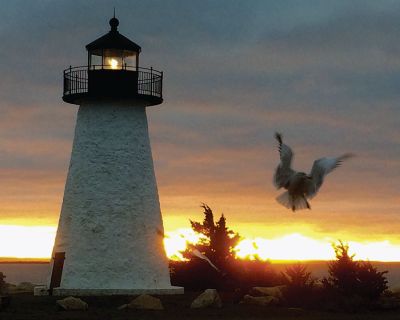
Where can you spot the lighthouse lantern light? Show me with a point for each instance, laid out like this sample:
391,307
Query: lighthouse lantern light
113,59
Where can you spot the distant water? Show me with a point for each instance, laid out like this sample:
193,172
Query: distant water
15,273
38,273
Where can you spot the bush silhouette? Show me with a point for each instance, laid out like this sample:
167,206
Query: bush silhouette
372,283
300,285
343,272
246,274
219,242
218,245
350,278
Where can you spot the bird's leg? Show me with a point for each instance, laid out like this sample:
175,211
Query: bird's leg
292,202
308,205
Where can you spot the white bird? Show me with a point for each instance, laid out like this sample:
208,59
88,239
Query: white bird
199,255
301,186
193,251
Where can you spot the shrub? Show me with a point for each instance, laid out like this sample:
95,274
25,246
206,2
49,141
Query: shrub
195,275
219,240
343,272
300,286
354,279
217,246
246,274
372,283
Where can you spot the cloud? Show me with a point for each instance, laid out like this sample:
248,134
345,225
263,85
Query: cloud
325,74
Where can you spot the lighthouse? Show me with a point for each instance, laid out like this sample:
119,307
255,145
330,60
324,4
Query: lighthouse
110,233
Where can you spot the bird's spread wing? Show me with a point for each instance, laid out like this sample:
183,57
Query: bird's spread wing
320,169
284,171
285,152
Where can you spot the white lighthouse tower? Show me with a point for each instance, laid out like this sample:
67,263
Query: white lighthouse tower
110,233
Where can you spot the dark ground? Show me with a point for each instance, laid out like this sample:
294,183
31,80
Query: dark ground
26,306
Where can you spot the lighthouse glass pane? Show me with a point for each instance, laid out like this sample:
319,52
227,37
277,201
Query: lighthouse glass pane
112,59
130,62
113,63
95,61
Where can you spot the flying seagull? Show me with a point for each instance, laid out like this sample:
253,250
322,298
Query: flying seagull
299,185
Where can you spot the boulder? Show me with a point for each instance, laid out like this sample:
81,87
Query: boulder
40,291
296,311
123,307
71,303
259,301
25,287
146,302
209,298
268,291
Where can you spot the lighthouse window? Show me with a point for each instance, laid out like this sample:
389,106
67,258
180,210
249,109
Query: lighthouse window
95,61
113,63
112,59
130,60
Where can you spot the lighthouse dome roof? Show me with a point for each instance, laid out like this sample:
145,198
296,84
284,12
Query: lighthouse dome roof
113,40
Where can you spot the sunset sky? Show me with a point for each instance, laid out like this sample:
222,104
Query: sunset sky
324,73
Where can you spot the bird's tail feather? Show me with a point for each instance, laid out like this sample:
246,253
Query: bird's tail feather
294,204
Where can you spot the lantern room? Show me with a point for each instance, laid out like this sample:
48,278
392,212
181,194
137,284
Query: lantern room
113,73
113,51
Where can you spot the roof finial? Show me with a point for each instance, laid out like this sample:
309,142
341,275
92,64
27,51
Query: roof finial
114,23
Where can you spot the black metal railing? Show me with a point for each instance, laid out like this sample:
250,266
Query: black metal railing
75,80
149,80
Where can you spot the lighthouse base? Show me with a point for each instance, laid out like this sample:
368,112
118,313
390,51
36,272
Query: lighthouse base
42,290
114,292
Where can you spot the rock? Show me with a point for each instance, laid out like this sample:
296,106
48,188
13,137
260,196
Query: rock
209,298
296,311
146,302
40,291
268,291
71,303
259,301
25,287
